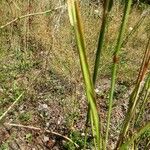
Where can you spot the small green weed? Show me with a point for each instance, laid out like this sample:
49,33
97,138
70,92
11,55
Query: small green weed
28,137
4,146
77,138
25,116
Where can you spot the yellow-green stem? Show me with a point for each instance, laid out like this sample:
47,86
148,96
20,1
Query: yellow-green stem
74,14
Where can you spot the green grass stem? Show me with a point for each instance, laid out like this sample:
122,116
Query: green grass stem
107,8
115,64
74,14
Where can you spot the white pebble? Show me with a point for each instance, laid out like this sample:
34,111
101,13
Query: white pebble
46,138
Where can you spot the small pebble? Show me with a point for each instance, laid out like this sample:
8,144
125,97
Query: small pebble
46,138
97,90
45,106
82,134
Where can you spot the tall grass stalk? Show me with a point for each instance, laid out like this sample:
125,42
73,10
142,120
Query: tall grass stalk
74,14
134,101
115,64
107,7
75,20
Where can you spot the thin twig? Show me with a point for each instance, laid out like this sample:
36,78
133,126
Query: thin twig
29,15
10,107
41,130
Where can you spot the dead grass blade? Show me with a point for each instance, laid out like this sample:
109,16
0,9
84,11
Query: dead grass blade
42,130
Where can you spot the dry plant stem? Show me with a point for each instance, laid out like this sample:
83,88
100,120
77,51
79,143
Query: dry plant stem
135,136
42,130
10,107
32,14
133,102
115,65
145,100
145,62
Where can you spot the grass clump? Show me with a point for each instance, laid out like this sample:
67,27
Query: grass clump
77,138
41,60
75,20
25,117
